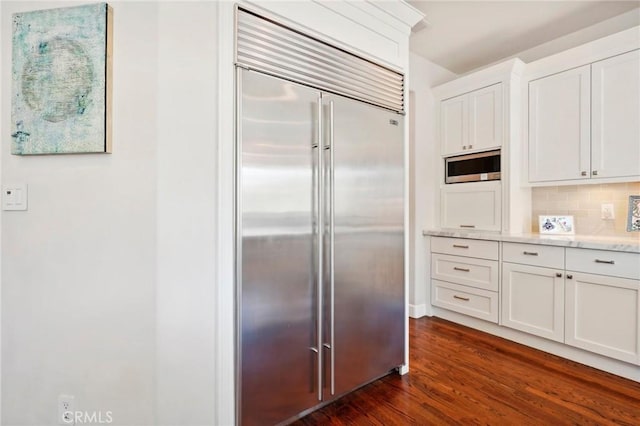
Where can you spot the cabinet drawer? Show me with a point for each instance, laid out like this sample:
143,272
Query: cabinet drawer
476,303
602,262
465,247
479,273
533,254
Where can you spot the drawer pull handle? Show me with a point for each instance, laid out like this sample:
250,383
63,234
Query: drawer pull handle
609,262
455,268
570,276
467,226
459,246
530,253
466,299
558,274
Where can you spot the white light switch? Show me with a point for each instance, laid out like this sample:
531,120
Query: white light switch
14,197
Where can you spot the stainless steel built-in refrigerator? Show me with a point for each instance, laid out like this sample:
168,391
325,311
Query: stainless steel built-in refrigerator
320,249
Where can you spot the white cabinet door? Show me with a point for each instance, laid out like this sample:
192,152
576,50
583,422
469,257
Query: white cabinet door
474,205
533,300
559,126
454,127
472,121
615,137
485,118
602,315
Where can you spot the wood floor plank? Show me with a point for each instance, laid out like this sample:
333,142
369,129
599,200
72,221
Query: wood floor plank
459,375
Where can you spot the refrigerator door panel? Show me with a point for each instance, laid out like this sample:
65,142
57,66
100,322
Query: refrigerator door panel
276,254
368,270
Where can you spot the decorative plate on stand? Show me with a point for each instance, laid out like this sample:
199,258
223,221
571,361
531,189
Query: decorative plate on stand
556,225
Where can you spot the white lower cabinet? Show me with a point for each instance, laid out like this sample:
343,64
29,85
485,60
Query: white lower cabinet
586,298
603,315
465,276
533,289
533,300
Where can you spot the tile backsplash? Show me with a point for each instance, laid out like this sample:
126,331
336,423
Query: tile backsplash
584,203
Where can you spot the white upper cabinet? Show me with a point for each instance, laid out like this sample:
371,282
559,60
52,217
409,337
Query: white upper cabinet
485,118
584,113
454,125
615,111
559,122
472,121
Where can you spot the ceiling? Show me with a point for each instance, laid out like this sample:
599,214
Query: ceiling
465,35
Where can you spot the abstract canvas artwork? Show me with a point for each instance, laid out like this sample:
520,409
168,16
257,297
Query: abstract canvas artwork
61,81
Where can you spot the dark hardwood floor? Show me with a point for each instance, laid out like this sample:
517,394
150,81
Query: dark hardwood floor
462,376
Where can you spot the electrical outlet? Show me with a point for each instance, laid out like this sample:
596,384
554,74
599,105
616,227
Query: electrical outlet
607,212
66,408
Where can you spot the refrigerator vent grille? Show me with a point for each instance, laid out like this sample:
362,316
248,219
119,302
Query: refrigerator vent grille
272,48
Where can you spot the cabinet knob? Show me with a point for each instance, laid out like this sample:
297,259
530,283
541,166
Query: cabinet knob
558,274
595,173
470,146
569,276
464,147
583,173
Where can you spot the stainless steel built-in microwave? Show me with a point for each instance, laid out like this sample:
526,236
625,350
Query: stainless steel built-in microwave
476,167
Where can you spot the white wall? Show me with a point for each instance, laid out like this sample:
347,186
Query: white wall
582,36
601,29
186,213
109,279
78,283
425,153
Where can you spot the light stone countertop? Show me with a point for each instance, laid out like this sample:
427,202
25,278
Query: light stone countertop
629,245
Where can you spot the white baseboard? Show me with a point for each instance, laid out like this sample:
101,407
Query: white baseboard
418,311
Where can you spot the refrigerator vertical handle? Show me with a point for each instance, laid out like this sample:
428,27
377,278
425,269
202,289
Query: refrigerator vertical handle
320,244
331,248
